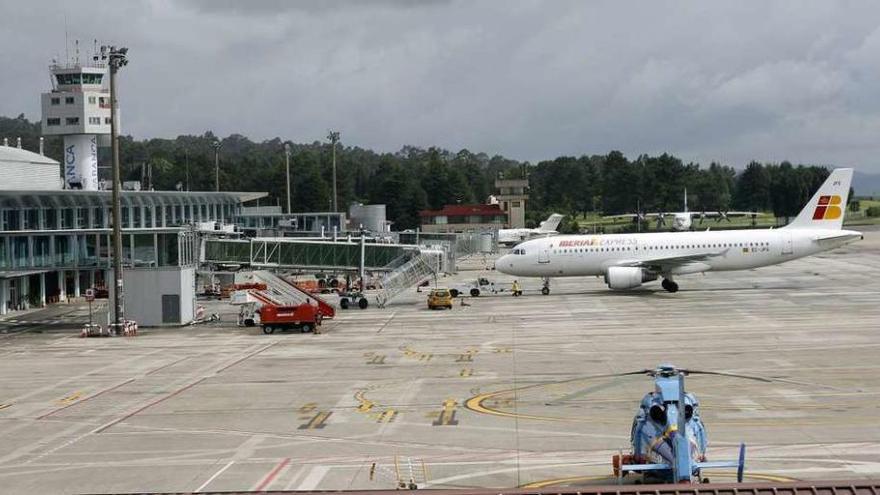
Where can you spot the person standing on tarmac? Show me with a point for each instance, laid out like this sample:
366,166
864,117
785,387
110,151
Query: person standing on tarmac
516,290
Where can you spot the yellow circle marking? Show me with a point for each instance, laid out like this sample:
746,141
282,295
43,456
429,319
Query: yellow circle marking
476,404
560,481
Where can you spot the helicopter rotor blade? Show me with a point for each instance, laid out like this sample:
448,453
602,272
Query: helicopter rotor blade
731,375
579,393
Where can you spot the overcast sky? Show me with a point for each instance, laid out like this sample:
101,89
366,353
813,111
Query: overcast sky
729,82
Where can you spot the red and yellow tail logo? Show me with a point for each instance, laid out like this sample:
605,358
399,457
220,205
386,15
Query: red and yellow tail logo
828,208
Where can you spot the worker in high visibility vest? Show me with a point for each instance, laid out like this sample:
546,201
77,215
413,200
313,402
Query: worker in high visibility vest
516,290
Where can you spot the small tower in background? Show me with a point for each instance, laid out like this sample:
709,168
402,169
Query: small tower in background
78,108
512,197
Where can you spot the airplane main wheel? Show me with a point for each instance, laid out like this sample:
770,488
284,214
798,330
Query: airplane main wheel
669,285
545,291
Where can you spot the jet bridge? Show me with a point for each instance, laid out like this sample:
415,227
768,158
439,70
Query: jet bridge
402,266
303,254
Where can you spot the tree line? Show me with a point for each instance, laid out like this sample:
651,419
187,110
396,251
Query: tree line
414,179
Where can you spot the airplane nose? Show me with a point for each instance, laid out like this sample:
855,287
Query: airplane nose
504,262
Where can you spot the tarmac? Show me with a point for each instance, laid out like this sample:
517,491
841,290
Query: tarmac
502,392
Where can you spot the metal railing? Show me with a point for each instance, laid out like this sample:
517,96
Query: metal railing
420,267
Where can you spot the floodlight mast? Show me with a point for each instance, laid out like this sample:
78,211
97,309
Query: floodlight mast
333,136
116,57
217,165
287,163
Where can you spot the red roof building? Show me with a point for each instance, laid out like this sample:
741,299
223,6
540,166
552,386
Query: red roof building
463,218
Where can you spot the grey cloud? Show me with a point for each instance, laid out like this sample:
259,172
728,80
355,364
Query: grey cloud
727,82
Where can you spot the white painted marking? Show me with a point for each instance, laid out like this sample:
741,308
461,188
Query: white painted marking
316,474
218,473
296,476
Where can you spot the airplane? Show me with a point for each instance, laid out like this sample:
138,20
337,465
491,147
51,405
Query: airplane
629,260
683,220
510,237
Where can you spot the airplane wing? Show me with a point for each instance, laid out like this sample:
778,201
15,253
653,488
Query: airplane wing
633,215
664,263
713,214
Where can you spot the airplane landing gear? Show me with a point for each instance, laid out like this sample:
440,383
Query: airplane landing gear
545,290
669,285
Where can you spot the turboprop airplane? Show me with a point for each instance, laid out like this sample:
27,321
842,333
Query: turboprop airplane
629,260
509,237
683,220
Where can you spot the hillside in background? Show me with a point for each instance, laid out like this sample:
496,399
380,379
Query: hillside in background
866,184
414,179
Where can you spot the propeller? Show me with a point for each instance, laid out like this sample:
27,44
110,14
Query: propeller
661,219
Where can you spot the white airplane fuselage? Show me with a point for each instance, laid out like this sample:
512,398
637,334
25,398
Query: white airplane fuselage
585,255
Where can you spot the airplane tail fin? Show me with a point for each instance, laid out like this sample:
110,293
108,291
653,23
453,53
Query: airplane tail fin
826,208
551,223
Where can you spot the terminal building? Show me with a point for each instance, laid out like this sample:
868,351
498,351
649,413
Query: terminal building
56,242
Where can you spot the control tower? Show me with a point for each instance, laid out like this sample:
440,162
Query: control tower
78,108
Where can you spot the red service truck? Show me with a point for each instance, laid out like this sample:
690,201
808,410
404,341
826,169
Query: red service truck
303,317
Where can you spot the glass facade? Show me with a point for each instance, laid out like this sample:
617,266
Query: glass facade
70,229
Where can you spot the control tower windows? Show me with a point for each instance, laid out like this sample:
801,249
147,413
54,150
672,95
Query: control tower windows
92,78
67,79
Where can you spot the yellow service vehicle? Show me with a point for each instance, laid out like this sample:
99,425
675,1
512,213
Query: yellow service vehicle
439,298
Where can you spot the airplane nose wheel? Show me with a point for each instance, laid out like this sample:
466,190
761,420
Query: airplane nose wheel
546,289
669,285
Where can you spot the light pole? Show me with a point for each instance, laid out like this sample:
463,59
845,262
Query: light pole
217,165
186,160
333,136
287,163
115,58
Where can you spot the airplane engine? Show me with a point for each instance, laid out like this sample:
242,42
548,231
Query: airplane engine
627,277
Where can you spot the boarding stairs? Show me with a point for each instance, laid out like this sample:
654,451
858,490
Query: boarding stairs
420,267
279,292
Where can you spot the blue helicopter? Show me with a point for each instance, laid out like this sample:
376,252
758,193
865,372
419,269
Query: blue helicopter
668,436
